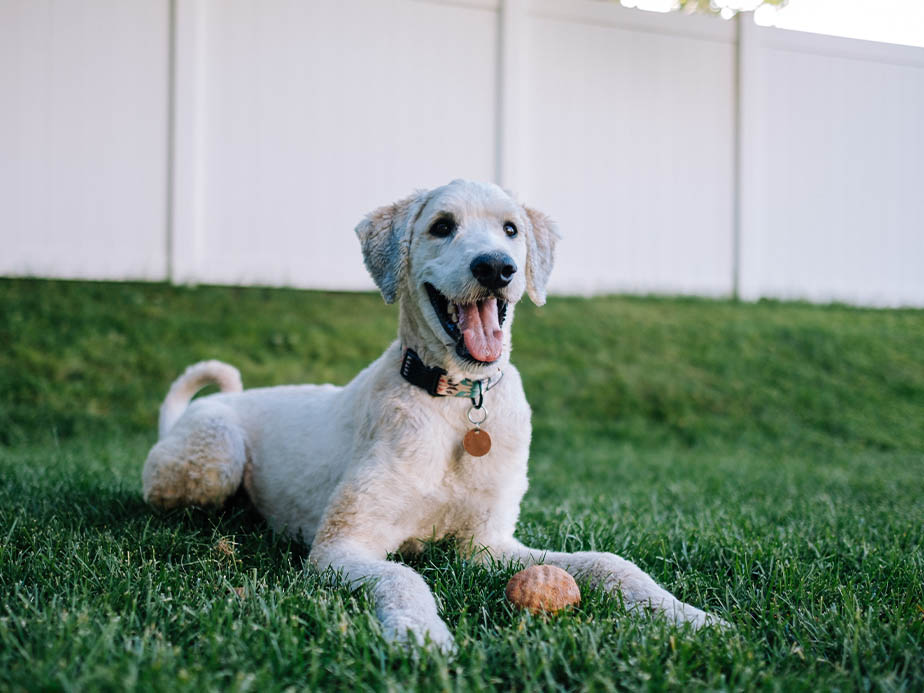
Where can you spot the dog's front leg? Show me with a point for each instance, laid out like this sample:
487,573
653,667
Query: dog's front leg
611,573
403,602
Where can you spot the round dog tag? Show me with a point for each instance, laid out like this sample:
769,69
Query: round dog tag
477,442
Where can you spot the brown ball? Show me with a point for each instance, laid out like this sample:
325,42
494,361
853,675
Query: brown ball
543,588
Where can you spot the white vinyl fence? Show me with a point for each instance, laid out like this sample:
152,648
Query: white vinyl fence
239,142
833,169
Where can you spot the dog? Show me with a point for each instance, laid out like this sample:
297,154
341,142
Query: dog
429,441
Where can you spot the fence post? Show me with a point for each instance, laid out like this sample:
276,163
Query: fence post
186,167
508,130
737,166
748,165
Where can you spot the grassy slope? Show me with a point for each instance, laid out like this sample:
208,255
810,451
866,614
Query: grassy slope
764,461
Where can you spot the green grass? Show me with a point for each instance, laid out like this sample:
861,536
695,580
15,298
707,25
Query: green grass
765,462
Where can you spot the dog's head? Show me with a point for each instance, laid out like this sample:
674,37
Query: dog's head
458,258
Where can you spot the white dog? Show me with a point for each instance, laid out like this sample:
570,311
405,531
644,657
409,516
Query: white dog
399,454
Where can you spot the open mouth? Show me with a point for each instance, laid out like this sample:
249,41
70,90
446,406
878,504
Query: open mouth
474,327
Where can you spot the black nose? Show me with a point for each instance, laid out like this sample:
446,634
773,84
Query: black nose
493,270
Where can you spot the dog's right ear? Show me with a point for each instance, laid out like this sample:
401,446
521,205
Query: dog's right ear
385,238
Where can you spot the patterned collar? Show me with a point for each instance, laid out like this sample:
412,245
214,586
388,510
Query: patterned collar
438,383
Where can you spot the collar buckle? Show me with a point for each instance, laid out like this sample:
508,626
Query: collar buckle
415,372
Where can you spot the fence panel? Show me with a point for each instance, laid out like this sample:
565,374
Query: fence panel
833,203
83,138
315,113
630,141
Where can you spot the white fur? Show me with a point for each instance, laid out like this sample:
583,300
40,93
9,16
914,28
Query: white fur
360,471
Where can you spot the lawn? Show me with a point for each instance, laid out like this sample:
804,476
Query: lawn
763,461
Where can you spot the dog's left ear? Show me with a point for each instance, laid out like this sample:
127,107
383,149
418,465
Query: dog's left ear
385,238
540,253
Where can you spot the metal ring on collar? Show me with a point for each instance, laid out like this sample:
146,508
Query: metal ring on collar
482,419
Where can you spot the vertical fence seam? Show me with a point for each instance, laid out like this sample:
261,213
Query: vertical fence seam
171,139
737,165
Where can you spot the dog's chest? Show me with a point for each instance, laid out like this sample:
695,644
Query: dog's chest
464,492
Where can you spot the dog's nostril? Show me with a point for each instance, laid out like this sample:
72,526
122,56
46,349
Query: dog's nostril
493,270
482,270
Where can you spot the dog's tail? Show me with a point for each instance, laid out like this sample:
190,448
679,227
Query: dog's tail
194,378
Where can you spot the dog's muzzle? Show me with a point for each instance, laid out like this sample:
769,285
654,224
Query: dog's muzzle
475,327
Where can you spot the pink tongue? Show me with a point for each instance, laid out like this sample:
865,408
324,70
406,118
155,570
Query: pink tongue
481,330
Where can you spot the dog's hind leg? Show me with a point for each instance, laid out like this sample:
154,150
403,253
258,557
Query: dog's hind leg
199,462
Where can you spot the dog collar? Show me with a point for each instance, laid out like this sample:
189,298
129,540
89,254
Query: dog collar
438,383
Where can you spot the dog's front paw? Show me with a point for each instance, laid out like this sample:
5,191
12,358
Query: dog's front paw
685,613
410,628
715,622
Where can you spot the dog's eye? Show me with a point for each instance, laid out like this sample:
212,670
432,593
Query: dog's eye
443,227
510,229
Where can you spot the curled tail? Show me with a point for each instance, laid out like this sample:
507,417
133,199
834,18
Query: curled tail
194,378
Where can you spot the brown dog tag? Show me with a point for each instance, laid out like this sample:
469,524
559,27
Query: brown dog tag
477,442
